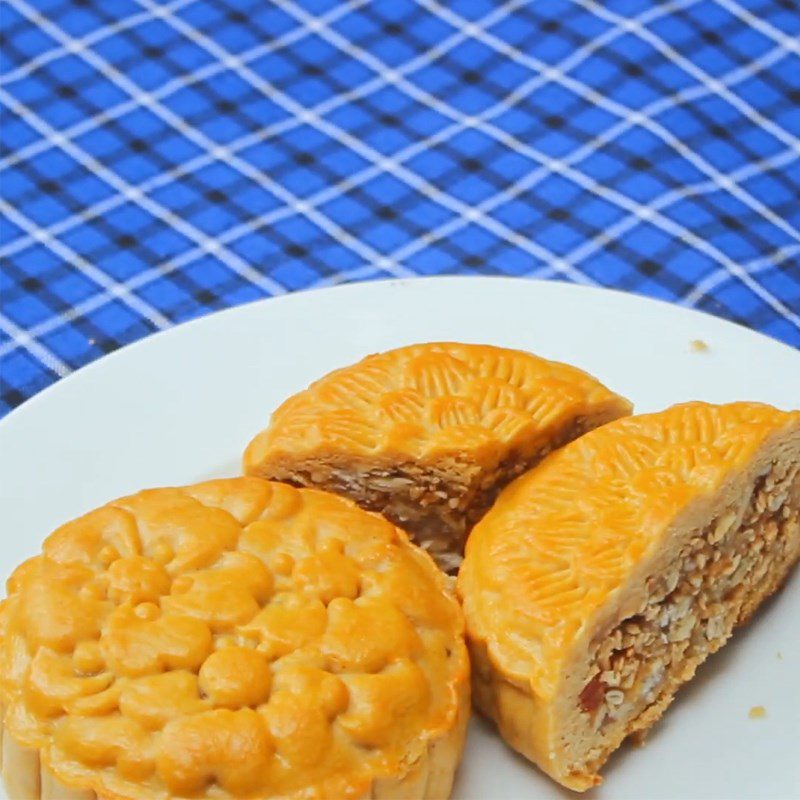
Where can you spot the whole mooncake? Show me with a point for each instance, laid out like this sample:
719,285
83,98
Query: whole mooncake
232,639
603,577
428,434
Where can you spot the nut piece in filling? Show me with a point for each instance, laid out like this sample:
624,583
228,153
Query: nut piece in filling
429,434
232,639
603,577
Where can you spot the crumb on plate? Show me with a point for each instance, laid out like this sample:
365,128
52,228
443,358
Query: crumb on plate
757,712
698,346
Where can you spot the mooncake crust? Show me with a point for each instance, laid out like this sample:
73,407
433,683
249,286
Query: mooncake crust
569,550
238,637
431,401
428,434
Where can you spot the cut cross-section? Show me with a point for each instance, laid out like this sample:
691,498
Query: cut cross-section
603,578
429,434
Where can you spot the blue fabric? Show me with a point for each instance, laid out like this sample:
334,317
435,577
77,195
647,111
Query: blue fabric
162,160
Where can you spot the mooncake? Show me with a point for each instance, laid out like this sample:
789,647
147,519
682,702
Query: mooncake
603,577
231,639
428,434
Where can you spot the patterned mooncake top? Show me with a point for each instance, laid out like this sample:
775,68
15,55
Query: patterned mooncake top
428,400
565,535
236,637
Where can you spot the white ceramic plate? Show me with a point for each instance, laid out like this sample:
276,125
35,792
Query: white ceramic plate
179,407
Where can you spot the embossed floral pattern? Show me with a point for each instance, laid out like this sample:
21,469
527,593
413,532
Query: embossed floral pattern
426,400
248,636
564,536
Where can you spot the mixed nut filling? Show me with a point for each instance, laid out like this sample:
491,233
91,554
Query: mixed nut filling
437,504
692,608
422,501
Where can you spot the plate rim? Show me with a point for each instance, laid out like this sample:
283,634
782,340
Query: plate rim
388,283
396,299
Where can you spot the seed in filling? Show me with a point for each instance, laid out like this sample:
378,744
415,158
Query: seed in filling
690,612
601,579
430,433
436,506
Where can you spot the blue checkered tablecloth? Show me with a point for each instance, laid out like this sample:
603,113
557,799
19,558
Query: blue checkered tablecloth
164,159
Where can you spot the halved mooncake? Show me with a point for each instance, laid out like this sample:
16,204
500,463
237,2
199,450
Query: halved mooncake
603,577
429,434
232,639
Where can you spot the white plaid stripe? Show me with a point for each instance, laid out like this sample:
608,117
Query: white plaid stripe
20,338
633,25
132,194
208,244
390,165
178,262
744,173
718,277
475,30
96,275
790,44
568,63
754,115
579,254
174,85
468,28
613,233
701,290
631,220
145,277
222,154
365,151
76,45
555,165
270,131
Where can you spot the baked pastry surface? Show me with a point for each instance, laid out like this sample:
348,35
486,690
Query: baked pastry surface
428,434
231,639
602,578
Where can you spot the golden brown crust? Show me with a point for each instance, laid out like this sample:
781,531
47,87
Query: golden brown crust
428,401
427,435
241,635
563,537
568,551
